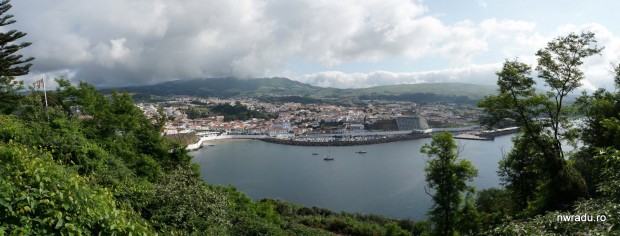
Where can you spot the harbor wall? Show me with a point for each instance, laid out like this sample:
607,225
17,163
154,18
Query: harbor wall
374,140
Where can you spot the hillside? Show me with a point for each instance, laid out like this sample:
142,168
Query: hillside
428,92
446,89
230,87
277,87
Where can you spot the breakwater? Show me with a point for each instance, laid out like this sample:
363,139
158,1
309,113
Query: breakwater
488,135
195,146
346,142
498,132
469,136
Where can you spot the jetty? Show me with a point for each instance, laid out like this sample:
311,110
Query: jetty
487,135
469,136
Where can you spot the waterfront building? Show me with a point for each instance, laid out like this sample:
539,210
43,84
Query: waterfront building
411,123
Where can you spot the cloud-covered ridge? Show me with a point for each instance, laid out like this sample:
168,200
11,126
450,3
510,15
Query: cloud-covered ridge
481,74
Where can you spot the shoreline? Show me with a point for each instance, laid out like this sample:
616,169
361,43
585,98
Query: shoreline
202,144
374,139
387,139
226,140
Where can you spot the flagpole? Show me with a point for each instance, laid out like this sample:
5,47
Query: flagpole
45,93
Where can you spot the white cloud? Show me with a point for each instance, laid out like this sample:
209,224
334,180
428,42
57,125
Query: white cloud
494,27
119,42
143,41
476,74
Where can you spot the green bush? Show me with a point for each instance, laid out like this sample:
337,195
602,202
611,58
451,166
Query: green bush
38,196
183,203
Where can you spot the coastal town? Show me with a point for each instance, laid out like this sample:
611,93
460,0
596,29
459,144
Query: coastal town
322,123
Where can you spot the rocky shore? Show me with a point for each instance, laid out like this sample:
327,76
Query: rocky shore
336,142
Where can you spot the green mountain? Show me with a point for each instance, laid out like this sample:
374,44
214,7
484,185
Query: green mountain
456,89
282,87
427,92
229,87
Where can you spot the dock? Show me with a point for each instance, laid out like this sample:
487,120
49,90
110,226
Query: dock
469,136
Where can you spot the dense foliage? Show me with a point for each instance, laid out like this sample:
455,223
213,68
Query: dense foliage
39,196
536,170
196,113
549,191
238,112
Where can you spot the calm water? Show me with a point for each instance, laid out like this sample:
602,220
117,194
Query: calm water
388,180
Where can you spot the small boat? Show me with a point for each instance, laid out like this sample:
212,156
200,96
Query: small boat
361,152
315,153
211,145
328,157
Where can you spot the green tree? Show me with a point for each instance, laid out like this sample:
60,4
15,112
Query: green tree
494,206
122,129
447,176
601,129
11,64
543,120
518,173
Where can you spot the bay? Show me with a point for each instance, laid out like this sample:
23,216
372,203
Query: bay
388,180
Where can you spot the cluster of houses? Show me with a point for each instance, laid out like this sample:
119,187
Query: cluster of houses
298,119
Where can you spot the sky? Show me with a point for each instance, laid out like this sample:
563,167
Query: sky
344,44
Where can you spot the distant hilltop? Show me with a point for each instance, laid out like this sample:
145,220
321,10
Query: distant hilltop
283,87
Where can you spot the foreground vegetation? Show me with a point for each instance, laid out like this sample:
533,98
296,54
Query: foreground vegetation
107,169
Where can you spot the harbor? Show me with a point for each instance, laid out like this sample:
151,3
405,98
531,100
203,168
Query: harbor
389,175
353,138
